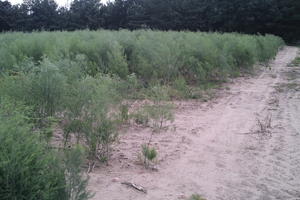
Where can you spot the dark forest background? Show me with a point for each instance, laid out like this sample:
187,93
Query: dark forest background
279,17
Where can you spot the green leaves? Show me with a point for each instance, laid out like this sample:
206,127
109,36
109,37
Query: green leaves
91,115
47,88
76,184
76,82
27,169
153,56
148,154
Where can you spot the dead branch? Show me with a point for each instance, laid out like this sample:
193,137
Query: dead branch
137,187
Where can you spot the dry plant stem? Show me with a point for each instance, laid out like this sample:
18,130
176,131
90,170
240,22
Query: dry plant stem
135,186
91,166
265,125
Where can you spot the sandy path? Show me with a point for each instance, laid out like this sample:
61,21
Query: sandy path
211,152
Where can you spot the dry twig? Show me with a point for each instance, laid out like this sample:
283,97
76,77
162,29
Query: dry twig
137,187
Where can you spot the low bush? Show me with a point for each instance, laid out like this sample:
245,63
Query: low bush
90,114
141,117
28,168
148,154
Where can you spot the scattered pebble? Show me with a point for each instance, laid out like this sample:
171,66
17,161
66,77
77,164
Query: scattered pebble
181,196
115,180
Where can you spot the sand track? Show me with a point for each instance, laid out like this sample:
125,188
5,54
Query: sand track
213,151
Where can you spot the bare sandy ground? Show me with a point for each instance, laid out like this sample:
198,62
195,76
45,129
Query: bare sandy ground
214,148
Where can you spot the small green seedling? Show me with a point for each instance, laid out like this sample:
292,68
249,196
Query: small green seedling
149,154
196,197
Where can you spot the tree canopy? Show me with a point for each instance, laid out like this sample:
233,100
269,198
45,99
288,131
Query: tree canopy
279,17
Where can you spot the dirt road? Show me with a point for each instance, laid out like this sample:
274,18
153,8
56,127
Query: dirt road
216,149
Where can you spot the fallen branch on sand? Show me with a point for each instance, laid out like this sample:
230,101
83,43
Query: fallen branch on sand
137,187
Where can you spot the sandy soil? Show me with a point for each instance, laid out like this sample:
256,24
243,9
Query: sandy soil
215,149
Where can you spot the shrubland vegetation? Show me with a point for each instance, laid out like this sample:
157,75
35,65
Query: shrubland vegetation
173,58
29,169
81,84
148,154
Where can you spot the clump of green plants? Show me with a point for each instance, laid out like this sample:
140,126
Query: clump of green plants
124,112
42,88
76,180
149,154
29,168
141,117
196,197
84,107
169,57
180,89
90,116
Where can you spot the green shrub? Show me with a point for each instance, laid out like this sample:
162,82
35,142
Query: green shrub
75,178
124,113
117,63
42,88
181,88
46,89
28,169
88,117
149,154
141,117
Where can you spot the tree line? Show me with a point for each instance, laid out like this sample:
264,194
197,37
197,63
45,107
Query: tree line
279,17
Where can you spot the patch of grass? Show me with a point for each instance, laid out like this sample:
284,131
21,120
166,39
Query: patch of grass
149,154
141,117
124,113
196,197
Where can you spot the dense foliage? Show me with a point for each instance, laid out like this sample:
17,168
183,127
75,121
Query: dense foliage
30,170
74,86
151,56
279,17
